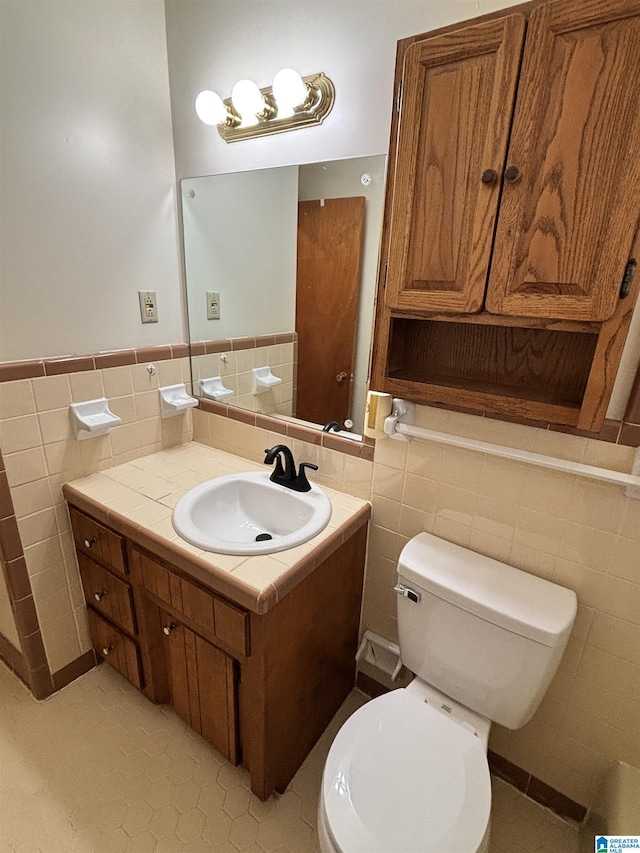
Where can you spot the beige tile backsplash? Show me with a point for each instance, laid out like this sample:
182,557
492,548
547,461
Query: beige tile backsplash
236,374
40,454
576,532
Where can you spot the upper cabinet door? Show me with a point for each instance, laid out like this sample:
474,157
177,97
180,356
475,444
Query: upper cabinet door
458,91
571,192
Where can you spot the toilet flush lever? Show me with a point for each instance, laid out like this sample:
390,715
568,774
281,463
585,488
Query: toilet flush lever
408,593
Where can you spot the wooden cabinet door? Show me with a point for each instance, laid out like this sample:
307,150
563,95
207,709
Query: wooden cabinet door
566,224
202,687
457,99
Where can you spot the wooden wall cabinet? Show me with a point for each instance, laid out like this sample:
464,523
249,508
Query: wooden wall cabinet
260,688
511,214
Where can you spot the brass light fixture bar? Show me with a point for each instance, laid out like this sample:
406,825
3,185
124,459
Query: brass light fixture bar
313,108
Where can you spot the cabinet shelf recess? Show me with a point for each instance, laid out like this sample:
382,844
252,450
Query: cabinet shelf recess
541,365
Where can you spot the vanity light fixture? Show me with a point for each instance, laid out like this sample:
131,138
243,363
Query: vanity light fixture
291,102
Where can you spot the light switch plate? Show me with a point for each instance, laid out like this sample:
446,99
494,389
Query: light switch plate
213,305
148,306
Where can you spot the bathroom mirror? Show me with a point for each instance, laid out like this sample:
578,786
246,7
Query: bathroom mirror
281,267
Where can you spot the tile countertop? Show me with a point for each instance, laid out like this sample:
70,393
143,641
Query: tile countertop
136,499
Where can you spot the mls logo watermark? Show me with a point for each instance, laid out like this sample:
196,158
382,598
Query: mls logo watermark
616,843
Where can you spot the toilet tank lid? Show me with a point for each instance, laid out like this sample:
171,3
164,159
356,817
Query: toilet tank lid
503,595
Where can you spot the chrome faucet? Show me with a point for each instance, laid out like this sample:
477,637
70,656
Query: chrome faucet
285,475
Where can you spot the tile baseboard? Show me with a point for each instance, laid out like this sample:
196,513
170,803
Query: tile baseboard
13,659
74,670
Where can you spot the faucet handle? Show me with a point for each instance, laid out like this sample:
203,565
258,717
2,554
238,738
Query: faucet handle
301,484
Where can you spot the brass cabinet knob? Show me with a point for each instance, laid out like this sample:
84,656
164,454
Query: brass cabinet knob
89,543
99,595
340,377
170,628
489,176
512,174
106,650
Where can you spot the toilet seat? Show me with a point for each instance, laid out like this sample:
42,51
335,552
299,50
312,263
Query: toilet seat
401,776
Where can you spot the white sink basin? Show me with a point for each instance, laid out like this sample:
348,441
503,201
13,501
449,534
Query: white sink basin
227,514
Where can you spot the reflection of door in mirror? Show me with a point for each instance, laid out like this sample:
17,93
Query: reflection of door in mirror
327,292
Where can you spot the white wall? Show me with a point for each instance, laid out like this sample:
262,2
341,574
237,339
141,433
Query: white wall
239,240
214,43
87,188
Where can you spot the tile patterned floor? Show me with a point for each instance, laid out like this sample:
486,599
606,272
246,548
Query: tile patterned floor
97,768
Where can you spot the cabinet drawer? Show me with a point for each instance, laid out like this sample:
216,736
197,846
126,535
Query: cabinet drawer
226,622
116,649
107,594
97,541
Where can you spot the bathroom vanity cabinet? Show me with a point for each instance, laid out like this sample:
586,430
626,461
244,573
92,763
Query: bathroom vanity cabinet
259,686
512,213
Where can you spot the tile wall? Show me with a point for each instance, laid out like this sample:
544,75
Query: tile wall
576,532
40,454
235,369
7,620
573,531
338,469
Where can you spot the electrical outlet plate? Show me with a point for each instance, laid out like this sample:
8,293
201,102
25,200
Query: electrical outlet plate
148,306
213,305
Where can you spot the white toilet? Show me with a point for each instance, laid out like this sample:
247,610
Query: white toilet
408,771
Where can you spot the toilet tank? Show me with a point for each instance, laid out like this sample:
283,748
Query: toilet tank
485,633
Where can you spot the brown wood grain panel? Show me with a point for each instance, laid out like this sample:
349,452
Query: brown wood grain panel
480,400
113,550
177,672
97,541
564,229
607,356
194,675
484,318
458,91
131,654
175,591
217,701
232,626
197,605
202,686
107,594
535,364
308,675
152,649
155,577
116,649
329,254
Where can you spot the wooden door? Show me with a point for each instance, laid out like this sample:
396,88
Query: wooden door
202,687
457,97
564,230
330,235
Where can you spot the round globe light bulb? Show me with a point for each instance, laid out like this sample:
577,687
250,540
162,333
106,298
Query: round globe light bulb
289,89
247,100
210,108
